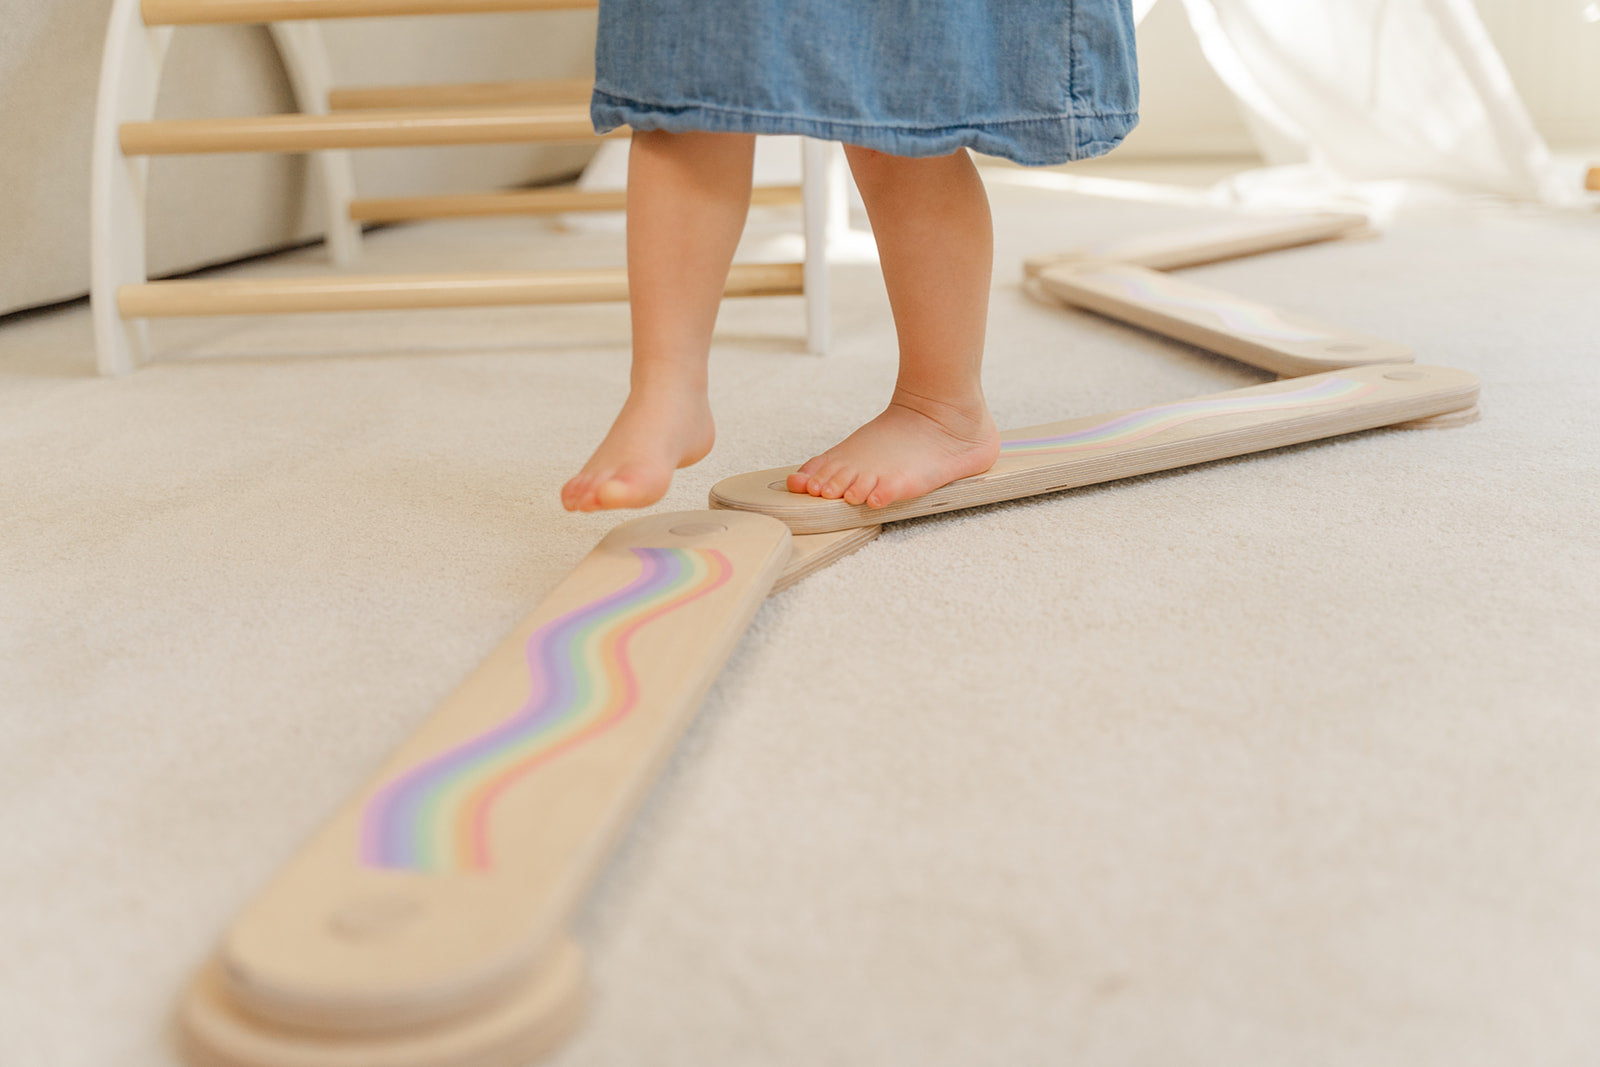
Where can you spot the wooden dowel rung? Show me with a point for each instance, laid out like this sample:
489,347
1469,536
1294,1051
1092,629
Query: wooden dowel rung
366,129
391,292
194,12
522,202
1591,180
464,94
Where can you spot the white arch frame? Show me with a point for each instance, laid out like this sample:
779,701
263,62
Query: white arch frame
130,77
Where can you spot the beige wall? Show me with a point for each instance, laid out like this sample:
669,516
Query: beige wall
1553,56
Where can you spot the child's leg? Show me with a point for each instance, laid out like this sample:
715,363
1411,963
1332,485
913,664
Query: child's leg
930,218
688,195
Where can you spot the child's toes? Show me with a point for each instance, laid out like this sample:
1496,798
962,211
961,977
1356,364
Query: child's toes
822,477
575,493
634,485
887,490
799,480
860,489
834,486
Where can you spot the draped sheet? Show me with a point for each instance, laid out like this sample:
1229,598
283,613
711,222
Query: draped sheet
1376,90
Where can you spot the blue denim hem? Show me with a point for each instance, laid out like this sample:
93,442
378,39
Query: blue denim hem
1031,142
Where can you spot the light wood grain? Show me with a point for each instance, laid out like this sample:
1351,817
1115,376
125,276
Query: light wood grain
1212,242
397,128
463,94
195,12
530,1021
812,552
1283,342
525,202
393,292
1122,444
399,915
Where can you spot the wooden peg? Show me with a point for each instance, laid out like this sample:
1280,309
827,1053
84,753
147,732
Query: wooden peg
198,12
463,94
395,292
1102,448
389,128
1283,342
524,202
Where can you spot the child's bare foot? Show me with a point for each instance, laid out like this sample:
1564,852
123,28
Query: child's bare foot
914,447
658,430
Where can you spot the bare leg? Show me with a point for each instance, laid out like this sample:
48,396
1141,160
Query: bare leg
936,242
688,195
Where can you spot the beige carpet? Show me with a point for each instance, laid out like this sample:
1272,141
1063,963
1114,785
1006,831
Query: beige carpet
1290,759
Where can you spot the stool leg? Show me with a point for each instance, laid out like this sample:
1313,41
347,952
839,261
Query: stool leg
130,72
305,58
821,175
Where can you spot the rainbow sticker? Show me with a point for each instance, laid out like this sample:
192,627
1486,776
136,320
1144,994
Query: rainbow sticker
1137,424
434,818
1251,320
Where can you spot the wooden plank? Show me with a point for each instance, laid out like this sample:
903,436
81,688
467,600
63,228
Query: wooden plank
1283,342
812,552
530,1021
399,128
393,292
450,878
197,12
524,202
1212,242
1102,448
464,94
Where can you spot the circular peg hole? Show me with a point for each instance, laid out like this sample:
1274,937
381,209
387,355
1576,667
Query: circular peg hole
698,529
1346,346
1405,375
779,486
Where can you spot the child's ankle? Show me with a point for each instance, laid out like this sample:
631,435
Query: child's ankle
946,401
676,380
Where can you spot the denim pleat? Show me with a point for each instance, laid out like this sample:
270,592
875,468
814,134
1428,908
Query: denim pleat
1034,81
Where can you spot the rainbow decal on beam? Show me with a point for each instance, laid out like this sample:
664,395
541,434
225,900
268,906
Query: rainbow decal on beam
1251,320
434,818
1138,424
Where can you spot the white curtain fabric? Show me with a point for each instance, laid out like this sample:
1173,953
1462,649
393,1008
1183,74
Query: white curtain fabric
1376,90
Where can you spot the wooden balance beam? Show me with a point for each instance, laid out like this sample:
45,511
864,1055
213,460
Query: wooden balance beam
1284,342
1103,448
1212,242
425,924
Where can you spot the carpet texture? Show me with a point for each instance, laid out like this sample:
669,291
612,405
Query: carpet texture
1290,758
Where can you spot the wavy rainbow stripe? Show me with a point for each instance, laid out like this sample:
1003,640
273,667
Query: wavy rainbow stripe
1252,320
434,817
1138,424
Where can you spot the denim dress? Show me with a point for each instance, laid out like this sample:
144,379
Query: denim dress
1033,81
